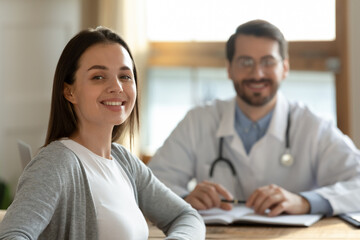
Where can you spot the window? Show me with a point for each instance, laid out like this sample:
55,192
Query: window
216,20
187,56
174,91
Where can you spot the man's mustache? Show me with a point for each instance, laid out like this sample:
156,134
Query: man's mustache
262,80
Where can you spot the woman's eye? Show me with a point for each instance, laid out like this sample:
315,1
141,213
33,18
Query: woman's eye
125,77
98,77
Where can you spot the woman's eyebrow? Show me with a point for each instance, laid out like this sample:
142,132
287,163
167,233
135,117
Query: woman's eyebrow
98,67
101,67
125,68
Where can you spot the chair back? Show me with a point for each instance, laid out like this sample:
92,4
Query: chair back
25,152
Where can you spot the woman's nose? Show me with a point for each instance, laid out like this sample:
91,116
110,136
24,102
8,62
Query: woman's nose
115,85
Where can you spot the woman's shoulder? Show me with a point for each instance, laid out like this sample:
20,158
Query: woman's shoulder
125,157
121,153
55,154
56,149
55,164
118,148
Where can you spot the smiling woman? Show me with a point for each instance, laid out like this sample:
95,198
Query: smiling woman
83,181
100,88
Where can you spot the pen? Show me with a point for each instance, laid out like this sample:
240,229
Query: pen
234,201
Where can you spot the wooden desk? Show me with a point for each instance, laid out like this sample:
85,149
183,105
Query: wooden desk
328,228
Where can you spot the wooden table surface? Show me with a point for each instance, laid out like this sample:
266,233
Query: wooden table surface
327,228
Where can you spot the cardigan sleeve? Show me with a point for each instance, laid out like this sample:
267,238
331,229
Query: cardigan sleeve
37,195
53,200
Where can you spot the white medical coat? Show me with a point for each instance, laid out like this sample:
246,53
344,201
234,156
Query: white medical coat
325,160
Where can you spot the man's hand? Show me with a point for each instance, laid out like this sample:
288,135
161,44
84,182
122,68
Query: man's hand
277,200
208,195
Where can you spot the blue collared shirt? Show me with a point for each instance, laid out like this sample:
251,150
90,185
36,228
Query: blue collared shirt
250,132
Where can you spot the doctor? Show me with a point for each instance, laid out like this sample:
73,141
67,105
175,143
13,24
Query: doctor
274,154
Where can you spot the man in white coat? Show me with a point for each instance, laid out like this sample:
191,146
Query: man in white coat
274,154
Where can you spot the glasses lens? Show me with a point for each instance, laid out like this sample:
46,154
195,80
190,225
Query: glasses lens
268,62
246,63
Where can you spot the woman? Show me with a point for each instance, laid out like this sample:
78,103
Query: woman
82,185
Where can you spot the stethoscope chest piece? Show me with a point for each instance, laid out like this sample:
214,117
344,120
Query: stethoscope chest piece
287,160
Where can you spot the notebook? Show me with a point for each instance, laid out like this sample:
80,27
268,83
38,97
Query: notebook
25,152
242,214
352,218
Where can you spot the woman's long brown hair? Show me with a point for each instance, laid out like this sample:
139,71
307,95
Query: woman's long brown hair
63,119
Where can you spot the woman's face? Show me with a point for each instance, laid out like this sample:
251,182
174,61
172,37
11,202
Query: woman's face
104,91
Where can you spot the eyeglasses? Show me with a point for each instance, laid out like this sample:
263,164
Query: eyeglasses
247,64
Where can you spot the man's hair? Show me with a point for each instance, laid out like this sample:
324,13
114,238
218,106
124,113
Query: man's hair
258,28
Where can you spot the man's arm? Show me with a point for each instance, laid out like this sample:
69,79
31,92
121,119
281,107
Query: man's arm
338,170
337,173
318,204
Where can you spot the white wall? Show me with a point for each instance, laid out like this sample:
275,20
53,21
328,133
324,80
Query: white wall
33,34
354,55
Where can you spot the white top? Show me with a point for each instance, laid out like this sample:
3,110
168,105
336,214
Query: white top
325,160
118,214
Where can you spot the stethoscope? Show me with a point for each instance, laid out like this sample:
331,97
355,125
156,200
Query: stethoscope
286,159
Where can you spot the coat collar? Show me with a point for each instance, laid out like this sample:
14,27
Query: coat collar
278,123
226,126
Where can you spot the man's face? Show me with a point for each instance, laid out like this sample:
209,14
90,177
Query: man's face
257,69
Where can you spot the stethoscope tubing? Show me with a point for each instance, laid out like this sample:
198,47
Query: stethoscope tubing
287,133
220,158
284,160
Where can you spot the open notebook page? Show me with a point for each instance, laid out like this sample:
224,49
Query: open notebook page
243,214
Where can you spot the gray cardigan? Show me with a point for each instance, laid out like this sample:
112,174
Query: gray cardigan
53,200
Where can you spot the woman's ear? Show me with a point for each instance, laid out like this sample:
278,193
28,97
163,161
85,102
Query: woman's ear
68,93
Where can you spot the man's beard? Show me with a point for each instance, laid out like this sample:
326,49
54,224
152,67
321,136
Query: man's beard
255,99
